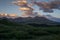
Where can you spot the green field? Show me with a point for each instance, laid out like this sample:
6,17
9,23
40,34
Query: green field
14,31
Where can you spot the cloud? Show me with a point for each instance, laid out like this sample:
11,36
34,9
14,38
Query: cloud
24,6
49,6
21,3
45,6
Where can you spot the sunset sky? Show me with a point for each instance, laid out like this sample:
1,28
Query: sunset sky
6,6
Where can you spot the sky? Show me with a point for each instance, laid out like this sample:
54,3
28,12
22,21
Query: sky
6,6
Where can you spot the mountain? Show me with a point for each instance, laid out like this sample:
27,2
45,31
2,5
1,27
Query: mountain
38,20
52,18
30,20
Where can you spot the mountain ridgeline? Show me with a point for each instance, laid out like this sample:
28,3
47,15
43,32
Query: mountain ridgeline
37,20
34,21
37,28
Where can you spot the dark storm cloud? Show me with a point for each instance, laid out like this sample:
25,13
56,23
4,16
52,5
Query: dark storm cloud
49,6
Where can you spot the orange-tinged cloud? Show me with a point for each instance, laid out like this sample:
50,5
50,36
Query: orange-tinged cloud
20,2
24,9
27,13
24,1
3,14
12,15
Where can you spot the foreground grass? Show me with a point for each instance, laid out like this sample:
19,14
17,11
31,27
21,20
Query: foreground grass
24,32
14,31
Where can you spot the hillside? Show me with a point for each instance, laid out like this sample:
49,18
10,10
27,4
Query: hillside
39,20
13,31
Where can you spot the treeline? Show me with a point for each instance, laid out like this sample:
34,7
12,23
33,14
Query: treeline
43,25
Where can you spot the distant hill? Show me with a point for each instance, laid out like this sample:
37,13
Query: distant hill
52,18
29,20
38,20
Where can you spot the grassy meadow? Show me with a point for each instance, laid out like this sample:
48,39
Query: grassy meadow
15,31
